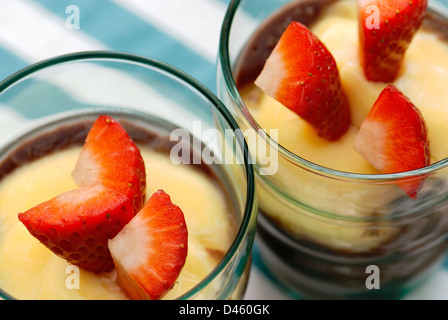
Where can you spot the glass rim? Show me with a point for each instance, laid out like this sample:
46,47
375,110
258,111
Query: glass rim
188,81
230,85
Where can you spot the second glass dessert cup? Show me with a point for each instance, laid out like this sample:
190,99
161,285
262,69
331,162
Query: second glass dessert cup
45,107
323,233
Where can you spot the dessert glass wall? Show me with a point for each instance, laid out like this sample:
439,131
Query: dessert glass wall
148,94
323,233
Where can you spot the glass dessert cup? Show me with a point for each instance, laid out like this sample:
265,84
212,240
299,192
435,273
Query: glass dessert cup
49,106
324,233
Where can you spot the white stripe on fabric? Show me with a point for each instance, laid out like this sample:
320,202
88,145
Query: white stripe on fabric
194,23
433,289
9,122
33,33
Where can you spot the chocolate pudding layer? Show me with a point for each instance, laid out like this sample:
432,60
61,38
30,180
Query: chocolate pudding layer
71,133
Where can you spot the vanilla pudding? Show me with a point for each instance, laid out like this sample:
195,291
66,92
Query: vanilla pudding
421,78
30,271
327,214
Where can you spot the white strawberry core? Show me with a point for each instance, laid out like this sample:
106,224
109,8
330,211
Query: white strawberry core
131,245
270,78
80,196
370,143
86,170
365,3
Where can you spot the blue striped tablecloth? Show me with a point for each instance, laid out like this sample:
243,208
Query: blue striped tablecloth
183,33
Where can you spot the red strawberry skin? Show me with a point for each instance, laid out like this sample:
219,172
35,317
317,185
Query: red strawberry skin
110,157
302,74
394,138
77,225
150,252
382,49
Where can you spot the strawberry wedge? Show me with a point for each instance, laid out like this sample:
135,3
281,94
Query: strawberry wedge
77,225
110,157
150,252
393,138
302,75
386,29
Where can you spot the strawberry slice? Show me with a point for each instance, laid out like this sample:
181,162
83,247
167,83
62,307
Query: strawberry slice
386,28
110,157
76,225
394,138
150,251
302,74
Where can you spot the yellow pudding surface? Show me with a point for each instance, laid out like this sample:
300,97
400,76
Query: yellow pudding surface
28,270
423,78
